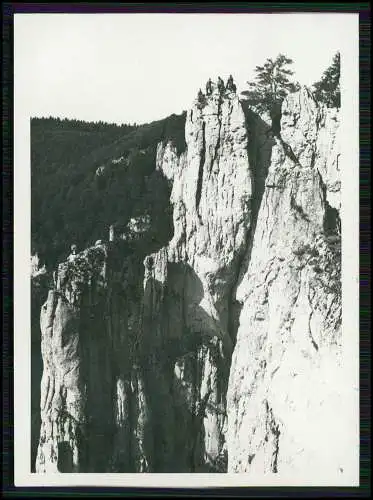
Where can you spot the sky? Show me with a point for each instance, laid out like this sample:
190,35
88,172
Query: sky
136,68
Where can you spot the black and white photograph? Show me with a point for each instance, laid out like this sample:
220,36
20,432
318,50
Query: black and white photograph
186,212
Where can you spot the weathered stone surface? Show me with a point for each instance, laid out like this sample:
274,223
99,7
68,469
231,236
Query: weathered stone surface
94,406
69,345
216,347
211,196
41,281
284,398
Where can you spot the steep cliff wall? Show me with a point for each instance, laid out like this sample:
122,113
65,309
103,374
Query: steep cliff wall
284,396
197,353
74,349
40,284
212,197
93,407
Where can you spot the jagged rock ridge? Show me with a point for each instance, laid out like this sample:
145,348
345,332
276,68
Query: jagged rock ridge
199,352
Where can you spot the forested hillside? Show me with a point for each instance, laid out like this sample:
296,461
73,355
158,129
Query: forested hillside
87,176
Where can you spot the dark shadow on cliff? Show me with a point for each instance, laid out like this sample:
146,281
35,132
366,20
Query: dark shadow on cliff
39,292
101,360
36,374
178,337
156,205
260,143
109,357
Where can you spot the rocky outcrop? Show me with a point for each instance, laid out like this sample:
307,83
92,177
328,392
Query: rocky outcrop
93,407
41,282
196,351
284,396
212,191
74,309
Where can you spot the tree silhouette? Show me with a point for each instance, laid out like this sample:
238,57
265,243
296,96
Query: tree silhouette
272,84
327,90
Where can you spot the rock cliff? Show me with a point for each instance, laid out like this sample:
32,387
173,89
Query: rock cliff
213,349
284,394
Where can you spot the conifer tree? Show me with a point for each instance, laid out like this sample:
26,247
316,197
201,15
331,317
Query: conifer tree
272,84
327,90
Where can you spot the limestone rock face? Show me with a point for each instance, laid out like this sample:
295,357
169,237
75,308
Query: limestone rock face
313,132
211,197
74,310
41,282
284,398
93,409
215,346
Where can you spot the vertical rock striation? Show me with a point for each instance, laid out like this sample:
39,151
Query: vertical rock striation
75,359
217,348
212,188
284,397
94,411
40,284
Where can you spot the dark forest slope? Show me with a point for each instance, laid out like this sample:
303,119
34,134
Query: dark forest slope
74,200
